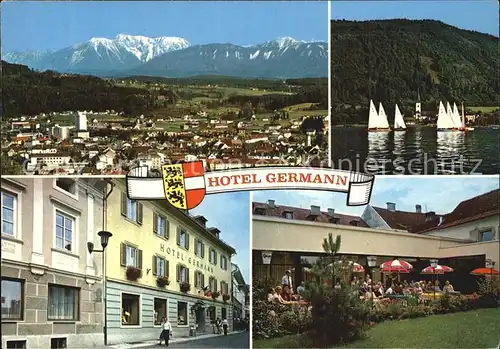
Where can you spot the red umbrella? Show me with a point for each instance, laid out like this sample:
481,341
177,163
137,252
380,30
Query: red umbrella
356,267
485,271
439,269
396,266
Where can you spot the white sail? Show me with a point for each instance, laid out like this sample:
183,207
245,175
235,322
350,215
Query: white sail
456,116
375,119
399,122
382,117
449,111
444,120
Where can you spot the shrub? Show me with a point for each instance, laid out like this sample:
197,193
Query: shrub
338,316
215,295
185,287
265,324
489,291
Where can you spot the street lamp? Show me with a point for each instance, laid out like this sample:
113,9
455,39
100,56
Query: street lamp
104,235
372,262
434,264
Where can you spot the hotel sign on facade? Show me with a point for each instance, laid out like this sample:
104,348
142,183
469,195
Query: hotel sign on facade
179,256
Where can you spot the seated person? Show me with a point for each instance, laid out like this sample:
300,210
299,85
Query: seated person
389,291
272,296
280,299
378,291
436,287
448,288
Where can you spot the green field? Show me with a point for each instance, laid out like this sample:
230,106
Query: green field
473,329
483,109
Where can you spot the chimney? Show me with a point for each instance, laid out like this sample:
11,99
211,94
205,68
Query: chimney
331,212
391,206
315,210
270,203
429,216
418,208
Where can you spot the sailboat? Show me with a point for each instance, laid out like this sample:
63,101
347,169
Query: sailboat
377,121
445,121
456,118
399,122
463,120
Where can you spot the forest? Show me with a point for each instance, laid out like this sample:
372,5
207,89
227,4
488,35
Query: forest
392,61
27,92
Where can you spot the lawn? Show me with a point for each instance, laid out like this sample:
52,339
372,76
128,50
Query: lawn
473,329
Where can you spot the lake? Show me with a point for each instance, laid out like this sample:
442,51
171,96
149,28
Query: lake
419,150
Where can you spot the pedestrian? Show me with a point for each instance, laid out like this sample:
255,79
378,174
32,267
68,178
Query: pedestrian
166,331
225,325
218,324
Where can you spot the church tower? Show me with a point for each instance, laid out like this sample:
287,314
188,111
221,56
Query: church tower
418,106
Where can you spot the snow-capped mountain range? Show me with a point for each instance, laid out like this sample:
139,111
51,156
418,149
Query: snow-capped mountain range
176,57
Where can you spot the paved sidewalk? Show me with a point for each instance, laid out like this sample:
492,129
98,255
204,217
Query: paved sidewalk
172,341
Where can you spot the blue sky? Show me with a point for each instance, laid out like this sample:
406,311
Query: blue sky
54,25
479,15
440,194
230,213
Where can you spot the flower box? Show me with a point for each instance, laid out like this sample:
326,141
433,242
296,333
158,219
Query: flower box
185,287
133,273
162,281
226,297
215,295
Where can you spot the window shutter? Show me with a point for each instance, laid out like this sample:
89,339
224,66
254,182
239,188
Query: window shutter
196,246
123,255
165,228
139,213
215,255
139,259
154,265
196,279
187,241
155,223
167,268
202,250
221,265
124,204
222,287
187,275
178,236
178,272
215,284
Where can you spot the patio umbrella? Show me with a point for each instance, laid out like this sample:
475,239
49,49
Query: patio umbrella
356,267
439,269
396,266
485,271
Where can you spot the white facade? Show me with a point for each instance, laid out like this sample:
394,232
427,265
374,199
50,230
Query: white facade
82,121
476,231
61,132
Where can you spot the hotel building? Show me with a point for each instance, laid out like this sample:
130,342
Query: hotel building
51,284
463,239
153,240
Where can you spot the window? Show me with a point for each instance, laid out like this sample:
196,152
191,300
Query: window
224,313
182,238
58,343
223,262
213,284
486,235
182,313
213,256
63,303
131,209
16,344
160,226
130,309
12,299
182,273
68,185
200,248
160,266
199,280
224,287
8,213
289,215
160,310
130,256
65,226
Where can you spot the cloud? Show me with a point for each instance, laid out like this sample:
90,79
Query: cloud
230,213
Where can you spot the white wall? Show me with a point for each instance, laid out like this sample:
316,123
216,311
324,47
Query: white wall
470,231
